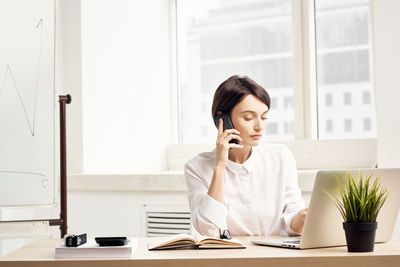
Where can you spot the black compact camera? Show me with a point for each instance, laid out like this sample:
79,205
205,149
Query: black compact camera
75,240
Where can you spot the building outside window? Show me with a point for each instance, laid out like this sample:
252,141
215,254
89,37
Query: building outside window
348,125
367,124
328,100
347,99
288,127
344,65
329,126
218,39
274,103
366,96
272,127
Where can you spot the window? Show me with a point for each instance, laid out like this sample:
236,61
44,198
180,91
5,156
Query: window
288,127
288,102
347,99
329,126
347,125
328,100
344,64
367,124
274,103
217,39
366,96
272,128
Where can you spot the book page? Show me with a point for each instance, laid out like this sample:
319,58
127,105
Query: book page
179,240
210,241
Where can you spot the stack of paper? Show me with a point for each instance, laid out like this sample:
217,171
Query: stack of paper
92,250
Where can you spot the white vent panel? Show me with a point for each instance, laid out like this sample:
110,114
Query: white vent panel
165,221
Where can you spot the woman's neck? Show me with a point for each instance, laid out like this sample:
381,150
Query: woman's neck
240,155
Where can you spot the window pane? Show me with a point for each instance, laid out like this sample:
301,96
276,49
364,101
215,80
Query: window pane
218,39
367,124
329,126
344,67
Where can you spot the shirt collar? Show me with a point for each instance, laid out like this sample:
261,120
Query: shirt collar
248,165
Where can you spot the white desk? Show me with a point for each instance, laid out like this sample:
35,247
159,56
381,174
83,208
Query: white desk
41,253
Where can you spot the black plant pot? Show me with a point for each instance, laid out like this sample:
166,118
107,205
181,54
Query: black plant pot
360,237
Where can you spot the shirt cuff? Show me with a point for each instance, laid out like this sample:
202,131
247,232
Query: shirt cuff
214,211
288,220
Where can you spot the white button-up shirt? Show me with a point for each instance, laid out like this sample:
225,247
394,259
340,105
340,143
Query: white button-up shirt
261,195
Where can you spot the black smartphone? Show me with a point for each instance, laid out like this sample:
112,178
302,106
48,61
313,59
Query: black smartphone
111,241
227,124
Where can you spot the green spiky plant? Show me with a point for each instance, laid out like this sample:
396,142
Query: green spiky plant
359,201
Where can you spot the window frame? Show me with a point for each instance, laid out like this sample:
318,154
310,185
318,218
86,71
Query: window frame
305,94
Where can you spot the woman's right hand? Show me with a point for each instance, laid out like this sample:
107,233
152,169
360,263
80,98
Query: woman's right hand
223,145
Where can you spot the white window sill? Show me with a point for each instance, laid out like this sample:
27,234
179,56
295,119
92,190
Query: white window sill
160,181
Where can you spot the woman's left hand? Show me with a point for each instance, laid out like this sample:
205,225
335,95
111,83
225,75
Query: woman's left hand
298,221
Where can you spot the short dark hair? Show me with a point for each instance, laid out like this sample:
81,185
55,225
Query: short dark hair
233,90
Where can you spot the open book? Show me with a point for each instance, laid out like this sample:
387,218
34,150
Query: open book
188,241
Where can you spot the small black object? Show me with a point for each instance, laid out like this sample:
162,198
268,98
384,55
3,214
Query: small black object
75,240
225,234
111,241
227,124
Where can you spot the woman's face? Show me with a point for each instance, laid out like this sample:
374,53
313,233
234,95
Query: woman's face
249,117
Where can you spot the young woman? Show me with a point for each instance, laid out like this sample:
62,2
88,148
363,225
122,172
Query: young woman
248,188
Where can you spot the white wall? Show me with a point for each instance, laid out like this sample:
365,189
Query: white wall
385,21
386,38
115,213
126,85
69,68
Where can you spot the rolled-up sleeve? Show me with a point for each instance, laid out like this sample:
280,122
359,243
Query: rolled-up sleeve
293,199
208,215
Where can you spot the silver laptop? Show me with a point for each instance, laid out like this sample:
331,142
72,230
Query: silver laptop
323,225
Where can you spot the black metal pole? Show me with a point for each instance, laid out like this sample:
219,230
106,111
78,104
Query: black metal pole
63,100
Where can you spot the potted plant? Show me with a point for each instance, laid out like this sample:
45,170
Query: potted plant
359,203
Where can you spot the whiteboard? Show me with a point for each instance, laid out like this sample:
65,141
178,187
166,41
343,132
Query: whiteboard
27,106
